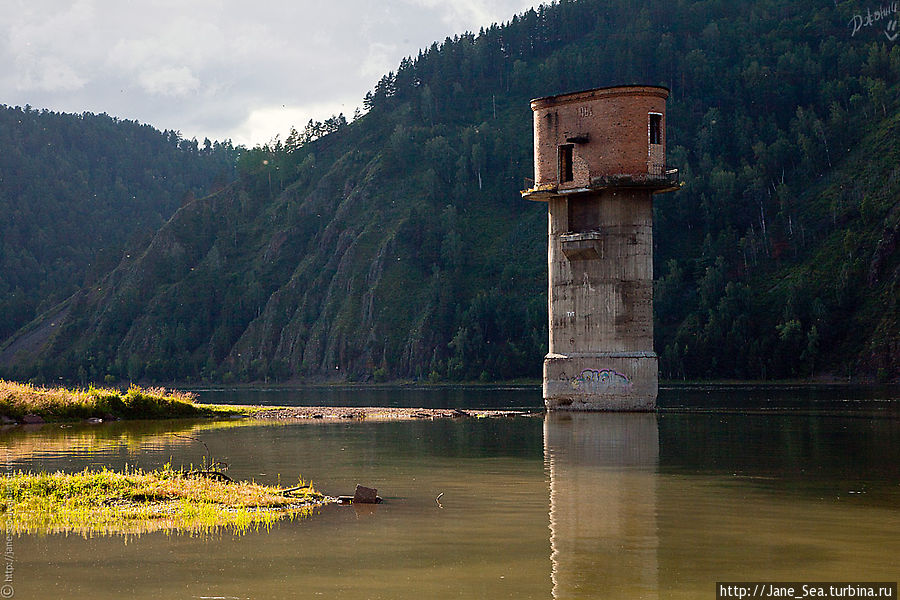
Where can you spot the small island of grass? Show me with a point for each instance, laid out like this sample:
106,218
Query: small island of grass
107,502
24,403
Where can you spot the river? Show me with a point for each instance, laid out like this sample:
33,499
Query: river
723,484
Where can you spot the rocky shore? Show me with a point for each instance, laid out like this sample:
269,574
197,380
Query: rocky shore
375,413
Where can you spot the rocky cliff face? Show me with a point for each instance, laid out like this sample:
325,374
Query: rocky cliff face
331,275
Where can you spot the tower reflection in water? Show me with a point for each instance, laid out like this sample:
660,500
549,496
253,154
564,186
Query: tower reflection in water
603,504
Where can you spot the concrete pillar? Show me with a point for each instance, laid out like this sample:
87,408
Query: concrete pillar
599,158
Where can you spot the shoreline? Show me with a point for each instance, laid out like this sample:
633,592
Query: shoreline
374,413
516,385
26,404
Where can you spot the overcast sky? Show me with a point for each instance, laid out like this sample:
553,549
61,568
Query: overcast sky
239,69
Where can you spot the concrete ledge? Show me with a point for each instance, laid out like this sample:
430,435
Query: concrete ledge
619,381
582,246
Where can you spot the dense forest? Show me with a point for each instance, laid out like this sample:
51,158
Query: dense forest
78,191
397,246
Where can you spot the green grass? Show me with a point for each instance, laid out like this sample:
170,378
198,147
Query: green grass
104,502
62,404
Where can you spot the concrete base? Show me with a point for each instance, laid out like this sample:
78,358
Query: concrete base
611,381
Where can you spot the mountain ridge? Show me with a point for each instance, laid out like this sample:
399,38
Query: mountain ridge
397,246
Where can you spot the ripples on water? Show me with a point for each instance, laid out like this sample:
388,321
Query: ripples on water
571,506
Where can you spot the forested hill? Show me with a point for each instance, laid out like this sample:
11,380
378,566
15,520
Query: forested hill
397,246
77,190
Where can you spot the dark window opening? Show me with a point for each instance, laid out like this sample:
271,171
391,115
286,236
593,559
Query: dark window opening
566,172
655,128
584,214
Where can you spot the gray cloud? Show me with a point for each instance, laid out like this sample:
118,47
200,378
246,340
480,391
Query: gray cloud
220,68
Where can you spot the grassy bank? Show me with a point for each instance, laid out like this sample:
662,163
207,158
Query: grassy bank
134,502
18,400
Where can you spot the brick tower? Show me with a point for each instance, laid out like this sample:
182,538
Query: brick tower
599,156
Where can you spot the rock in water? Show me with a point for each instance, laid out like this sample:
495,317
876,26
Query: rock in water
365,495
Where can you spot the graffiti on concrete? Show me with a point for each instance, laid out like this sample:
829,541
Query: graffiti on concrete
603,381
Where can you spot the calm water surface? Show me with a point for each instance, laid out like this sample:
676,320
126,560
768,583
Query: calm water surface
568,506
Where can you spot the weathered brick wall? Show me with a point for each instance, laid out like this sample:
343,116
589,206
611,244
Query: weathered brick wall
615,122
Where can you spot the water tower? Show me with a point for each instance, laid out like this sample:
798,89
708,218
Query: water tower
599,157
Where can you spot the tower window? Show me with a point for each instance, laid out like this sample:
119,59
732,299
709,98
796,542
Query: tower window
584,214
566,172
655,128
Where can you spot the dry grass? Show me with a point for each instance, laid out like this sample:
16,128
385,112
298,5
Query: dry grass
106,502
59,404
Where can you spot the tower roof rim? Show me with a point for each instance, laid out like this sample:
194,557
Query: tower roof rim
601,92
